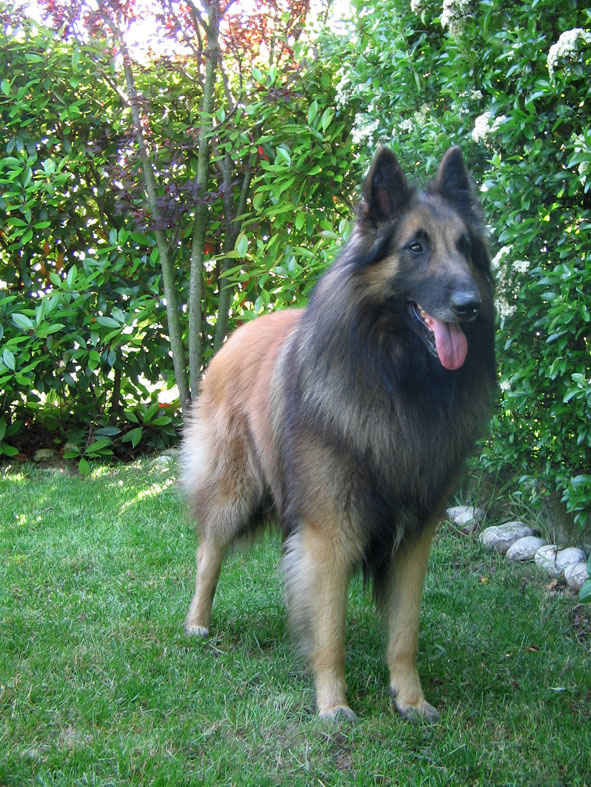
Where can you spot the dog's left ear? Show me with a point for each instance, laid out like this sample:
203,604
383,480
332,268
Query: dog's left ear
384,189
452,179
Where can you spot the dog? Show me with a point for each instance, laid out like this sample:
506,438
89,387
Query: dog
349,421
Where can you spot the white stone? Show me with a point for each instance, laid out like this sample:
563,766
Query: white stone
45,455
576,574
173,452
545,559
568,557
162,462
465,517
463,514
525,548
500,537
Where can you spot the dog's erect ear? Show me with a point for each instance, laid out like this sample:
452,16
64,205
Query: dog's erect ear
452,179
384,189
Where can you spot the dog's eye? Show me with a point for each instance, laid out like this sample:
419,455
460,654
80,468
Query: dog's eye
416,247
464,245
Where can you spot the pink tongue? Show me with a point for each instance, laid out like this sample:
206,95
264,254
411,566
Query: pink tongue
452,346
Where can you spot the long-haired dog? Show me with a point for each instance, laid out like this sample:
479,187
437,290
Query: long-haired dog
349,421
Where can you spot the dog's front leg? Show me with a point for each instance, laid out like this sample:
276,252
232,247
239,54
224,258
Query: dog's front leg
402,603
317,578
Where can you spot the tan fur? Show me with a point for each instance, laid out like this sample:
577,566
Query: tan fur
221,462
403,602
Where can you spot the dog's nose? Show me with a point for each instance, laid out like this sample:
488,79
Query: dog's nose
466,304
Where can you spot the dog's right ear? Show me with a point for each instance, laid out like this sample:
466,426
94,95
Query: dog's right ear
384,189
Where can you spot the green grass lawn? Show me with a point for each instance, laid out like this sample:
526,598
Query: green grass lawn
100,686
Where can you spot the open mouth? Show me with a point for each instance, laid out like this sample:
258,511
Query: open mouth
445,339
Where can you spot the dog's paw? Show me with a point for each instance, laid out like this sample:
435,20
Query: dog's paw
338,713
417,712
196,631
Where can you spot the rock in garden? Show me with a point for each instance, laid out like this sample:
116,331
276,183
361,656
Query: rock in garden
45,456
500,537
465,517
568,557
524,548
576,574
545,559
162,462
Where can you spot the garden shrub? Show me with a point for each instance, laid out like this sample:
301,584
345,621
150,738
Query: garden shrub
84,345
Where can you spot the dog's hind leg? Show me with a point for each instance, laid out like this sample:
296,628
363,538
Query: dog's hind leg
226,490
220,527
402,600
209,563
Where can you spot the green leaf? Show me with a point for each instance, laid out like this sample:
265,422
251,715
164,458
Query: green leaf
98,446
283,153
327,117
5,87
53,328
108,322
83,466
241,244
23,321
133,436
8,359
108,431
312,111
585,592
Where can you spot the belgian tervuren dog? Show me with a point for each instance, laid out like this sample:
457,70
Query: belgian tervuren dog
349,420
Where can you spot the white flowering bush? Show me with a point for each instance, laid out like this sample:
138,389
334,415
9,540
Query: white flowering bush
509,83
568,49
454,14
486,126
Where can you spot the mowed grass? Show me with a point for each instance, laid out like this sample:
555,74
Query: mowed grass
100,686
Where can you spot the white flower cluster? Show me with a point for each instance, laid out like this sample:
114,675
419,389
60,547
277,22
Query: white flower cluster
364,129
344,89
567,47
416,6
581,143
521,266
499,256
485,126
503,296
453,15
418,120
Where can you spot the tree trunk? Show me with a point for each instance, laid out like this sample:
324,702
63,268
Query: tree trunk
198,242
168,277
233,225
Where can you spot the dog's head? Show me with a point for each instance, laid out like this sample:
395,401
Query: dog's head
424,251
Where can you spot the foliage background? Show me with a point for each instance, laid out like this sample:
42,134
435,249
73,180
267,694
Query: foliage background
85,340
